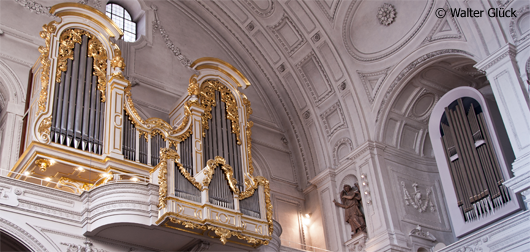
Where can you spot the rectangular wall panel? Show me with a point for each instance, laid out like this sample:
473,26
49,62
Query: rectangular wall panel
267,47
295,90
330,60
301,15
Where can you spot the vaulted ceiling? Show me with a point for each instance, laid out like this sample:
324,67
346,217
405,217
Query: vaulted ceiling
324,73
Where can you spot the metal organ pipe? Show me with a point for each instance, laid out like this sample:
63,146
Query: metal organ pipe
129,138
474,166
78,111
220,141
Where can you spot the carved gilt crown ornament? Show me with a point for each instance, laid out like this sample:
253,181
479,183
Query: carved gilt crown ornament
79,78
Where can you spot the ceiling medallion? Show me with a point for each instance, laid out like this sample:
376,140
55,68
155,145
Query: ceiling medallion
386,14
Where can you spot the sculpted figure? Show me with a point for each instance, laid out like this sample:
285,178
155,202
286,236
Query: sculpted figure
351,202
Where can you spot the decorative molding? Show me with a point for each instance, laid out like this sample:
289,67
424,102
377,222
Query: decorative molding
332,11
281,68
515,36
286,20
411,68
386,14
316,37
418,232
378,76
22,235
503,4
94,3
306,114
331,129
342,86
440,27
261,12
339,143
318,99
35,7
296,132
87,247
157,25
346,36
496,57
418,201
250,26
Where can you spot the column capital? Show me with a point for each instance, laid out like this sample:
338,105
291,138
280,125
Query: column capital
507,52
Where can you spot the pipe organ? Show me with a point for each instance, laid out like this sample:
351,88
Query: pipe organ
474,167
79,107
82,116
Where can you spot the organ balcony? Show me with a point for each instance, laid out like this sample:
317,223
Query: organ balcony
82,132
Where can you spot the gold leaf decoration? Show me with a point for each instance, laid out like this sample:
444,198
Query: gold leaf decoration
117,62
96,50
44,129
223,233
165,154
207,96
268,204
228,172
46,33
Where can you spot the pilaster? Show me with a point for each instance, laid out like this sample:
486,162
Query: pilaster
196,113
509,91
114,117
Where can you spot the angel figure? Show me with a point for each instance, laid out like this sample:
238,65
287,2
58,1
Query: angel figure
351,202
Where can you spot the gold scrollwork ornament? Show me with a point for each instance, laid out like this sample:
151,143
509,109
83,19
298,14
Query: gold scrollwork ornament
44,129
47,31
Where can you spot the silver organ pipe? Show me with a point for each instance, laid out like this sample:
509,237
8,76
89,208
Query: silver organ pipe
78,111
473,164
186,154
183,187
219,190
157,142
250,205
142,152
220,141
129,138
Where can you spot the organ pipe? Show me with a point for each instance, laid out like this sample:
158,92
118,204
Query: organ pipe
219,140
473,164
219,190
77,115
129,138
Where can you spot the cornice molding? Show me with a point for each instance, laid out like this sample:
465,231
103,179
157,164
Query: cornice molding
508,50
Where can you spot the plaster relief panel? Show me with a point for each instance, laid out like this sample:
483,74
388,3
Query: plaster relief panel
390,132
329,7
233,8
301,15
266,46
342,148
315,78
446,28
520,25
418,197
422,107
330,60
372,82
288,35
293,86
333,119
409,138
392,24
264,8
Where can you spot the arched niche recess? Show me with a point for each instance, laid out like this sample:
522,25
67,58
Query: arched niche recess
486,209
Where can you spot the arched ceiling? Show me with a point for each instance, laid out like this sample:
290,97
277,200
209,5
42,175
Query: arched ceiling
323,72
